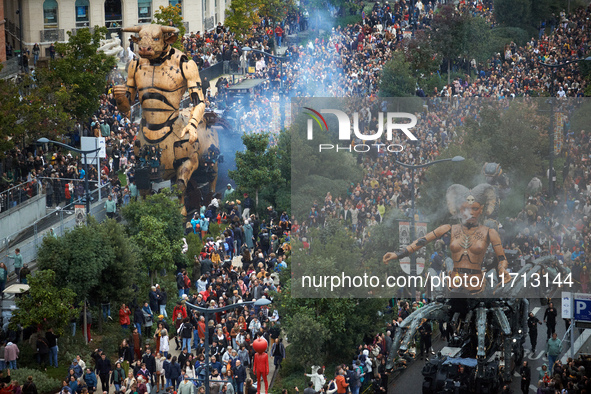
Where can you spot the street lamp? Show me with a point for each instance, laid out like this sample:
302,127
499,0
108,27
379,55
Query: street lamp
207,313
553,67
413,260
83,152
281,92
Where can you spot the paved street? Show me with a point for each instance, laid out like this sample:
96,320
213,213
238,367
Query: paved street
408,381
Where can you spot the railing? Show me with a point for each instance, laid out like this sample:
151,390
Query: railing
212,72
11,27
18,194
75,30
10,67
77,194
30,238
52,35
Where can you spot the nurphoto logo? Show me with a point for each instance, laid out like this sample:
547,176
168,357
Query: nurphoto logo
391,124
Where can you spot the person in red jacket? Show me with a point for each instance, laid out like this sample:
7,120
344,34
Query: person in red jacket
180,307
279,35
67,194
124,314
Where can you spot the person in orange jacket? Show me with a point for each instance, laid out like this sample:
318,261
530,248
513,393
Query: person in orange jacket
341,381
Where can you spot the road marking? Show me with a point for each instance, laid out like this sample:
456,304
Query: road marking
533,388
528,353
535,310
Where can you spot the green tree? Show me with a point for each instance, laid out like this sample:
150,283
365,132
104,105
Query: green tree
397,79
10,105
460,35
46,304
422,56
310,335
161,206
96,261
518,140
156,226
241,15
315,173
276,10
171,13
82,69
258,166
31,108
114,284
343,324
156,253
515,13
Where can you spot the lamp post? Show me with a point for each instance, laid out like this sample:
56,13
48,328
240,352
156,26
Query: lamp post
207,313
281,91
413,260
553,67
83,152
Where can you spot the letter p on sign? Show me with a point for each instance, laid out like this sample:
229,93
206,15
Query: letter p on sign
580,307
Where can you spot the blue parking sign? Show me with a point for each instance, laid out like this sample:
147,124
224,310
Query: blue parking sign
582,308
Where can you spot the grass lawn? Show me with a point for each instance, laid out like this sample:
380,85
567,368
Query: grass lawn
122,178
58,373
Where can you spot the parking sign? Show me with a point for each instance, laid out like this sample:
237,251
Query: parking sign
582,307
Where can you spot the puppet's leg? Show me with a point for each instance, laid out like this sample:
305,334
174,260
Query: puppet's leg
266,384
259,382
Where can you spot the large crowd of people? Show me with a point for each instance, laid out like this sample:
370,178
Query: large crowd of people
243,264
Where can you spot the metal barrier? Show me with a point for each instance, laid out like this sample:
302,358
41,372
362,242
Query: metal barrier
212,72
57,196
135,112
18,194
30,238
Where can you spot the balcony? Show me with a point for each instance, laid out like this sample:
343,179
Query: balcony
75,30
52,35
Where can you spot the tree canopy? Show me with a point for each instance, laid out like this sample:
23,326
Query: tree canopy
81,68
46,304
96,261
156,227
171,13
258,166
241,15
326,329
397,79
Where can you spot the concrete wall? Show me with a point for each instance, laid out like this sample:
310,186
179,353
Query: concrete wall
22,215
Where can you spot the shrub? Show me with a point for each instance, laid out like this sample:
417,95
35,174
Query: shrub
44,383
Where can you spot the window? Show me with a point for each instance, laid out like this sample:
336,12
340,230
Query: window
144,11
50,14
205,7
113,14
82,18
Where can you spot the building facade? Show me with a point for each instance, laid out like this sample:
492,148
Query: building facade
2,35
47,21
